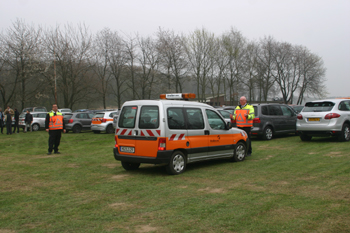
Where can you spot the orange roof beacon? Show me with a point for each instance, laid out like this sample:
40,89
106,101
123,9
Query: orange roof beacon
174,132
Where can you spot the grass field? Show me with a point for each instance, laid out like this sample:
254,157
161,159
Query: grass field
286,186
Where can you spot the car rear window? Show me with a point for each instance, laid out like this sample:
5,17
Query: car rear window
99,115
318,106
67,116
127,117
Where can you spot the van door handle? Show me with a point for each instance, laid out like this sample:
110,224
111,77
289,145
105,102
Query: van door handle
136,132
206,132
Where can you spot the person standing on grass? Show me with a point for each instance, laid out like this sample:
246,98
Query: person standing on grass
16,121
1,120
54,125
244,115
28,121
8,118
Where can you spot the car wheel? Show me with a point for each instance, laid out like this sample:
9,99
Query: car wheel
110,129
345,133
268,133
76,129
130,166
239,152
95,131
305,137
35,127
177,163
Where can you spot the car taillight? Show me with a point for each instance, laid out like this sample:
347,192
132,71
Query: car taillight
300,117
116,143
256,120
331,115
103,120
161,143
70,121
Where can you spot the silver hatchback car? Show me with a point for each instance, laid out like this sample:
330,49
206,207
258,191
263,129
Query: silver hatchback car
38,120
321,118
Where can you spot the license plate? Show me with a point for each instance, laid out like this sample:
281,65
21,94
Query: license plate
313,119
127,149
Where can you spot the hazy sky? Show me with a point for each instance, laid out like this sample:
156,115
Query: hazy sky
323,26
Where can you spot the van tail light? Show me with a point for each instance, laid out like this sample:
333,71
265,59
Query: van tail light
103,120
161,143
256,120
300,117
70,121
116,142
331,115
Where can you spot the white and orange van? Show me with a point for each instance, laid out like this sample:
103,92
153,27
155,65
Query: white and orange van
174,132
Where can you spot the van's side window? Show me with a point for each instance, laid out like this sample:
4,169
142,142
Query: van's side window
127,117
215,120
195,118
286,111
149,117
176,118
275,110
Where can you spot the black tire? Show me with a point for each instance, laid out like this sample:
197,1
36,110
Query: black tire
76,129
130,166
95,131
240,152
267,133
110,129
345,133
305,137
35,127
177,164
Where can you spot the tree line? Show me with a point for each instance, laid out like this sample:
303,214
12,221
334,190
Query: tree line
108,68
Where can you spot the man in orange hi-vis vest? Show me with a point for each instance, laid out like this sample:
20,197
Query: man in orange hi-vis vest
244,115
54,125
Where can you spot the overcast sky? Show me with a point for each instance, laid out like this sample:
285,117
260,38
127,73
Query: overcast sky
323,26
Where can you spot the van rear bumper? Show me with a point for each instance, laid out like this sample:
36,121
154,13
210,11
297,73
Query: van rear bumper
162,157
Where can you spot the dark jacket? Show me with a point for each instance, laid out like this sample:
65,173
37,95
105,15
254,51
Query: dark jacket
28,118
16,115
8,118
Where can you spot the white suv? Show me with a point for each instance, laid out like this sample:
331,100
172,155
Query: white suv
103,121
329,117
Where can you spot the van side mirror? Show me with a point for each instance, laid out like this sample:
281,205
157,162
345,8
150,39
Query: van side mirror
228,125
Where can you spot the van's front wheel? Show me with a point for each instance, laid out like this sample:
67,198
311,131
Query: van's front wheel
130,166
177,163
239,152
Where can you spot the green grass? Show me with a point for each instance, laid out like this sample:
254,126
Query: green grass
286,186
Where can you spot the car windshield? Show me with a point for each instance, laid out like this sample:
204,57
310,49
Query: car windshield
224,113
318,106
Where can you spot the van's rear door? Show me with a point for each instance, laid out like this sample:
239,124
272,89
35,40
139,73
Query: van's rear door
125,132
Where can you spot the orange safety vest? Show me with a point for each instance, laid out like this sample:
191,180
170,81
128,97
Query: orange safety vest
241,120
56,122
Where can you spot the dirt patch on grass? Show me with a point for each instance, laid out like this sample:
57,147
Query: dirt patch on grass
212,190
145,228
110,165
121,206
334,154
73,165
119,177
6,231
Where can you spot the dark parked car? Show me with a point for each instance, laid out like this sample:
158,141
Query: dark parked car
271,119
78,121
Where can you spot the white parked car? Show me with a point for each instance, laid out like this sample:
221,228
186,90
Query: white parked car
103,121
38,120
321,118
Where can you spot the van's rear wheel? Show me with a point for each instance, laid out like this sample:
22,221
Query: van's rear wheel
177,163
130,166
267,133
239,152
110,129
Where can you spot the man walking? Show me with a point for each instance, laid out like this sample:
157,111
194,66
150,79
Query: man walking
244,115
54,125
8,122
28,121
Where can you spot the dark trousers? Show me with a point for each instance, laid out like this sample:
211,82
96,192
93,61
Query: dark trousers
54,140
16,126
1,125
248,131
9,127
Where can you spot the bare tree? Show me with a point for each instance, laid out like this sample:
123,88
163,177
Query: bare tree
131,51
71,49
199,47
